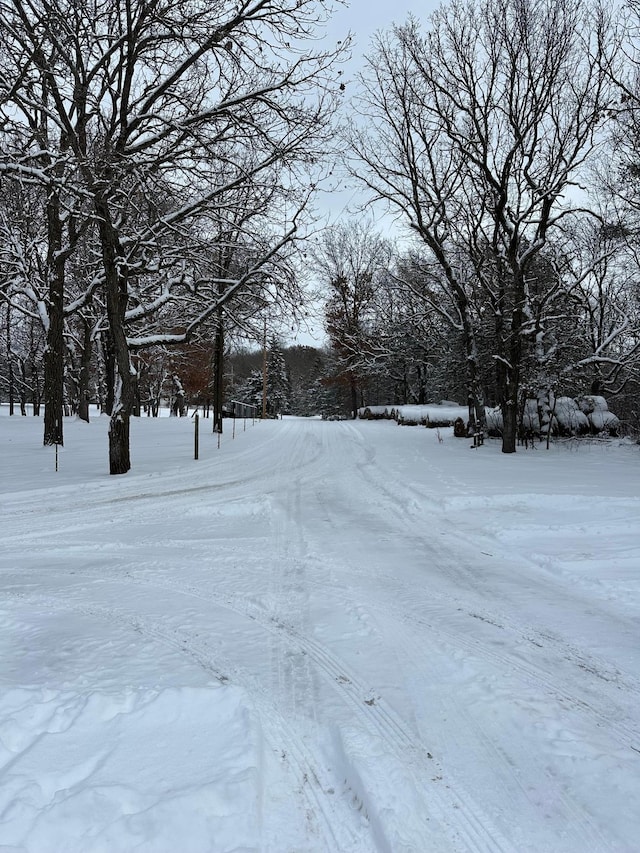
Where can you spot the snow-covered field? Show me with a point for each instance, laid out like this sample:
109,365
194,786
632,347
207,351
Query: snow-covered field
338,636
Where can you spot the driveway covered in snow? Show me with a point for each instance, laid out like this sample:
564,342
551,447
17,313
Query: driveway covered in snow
345,637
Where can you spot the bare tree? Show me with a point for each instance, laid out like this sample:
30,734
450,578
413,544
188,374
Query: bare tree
349,261
602,280
480,129
446,321
150,102
39,229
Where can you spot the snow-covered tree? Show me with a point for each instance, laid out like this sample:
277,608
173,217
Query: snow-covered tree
349,261
159,113
476,129
278,381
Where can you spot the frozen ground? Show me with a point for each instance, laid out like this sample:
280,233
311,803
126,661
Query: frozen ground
323,638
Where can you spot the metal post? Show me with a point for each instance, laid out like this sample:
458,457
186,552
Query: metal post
196,439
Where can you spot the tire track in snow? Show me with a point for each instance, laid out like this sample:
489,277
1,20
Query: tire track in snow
481,750
290,671
400,498
372,711
407,605
573,812
356,695
453,808
411,516
542,678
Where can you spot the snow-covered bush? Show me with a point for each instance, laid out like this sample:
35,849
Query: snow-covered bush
563,416
431,415
597,412
568,417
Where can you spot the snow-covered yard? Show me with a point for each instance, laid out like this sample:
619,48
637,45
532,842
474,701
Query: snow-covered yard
324,636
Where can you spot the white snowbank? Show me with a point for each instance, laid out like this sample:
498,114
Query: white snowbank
152,770
431,415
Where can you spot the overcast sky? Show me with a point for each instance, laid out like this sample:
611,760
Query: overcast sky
363,18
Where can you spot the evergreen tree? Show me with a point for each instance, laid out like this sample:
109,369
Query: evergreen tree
278,384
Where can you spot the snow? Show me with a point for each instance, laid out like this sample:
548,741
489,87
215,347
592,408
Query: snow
569,416
322,636
431,414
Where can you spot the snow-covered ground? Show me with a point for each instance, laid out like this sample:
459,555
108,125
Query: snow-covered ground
342,636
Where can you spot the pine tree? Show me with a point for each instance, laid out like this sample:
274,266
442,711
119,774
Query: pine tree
278,383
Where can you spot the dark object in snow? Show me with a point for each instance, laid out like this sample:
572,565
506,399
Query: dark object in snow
459,428
376,413
478,440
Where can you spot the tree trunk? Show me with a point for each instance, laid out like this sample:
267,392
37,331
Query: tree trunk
109,379
218,373
83,380
510,374
119,452
23,389
54,381
116,290
509,425
474,392
36,394
54,352
137,402
477,414
10,363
